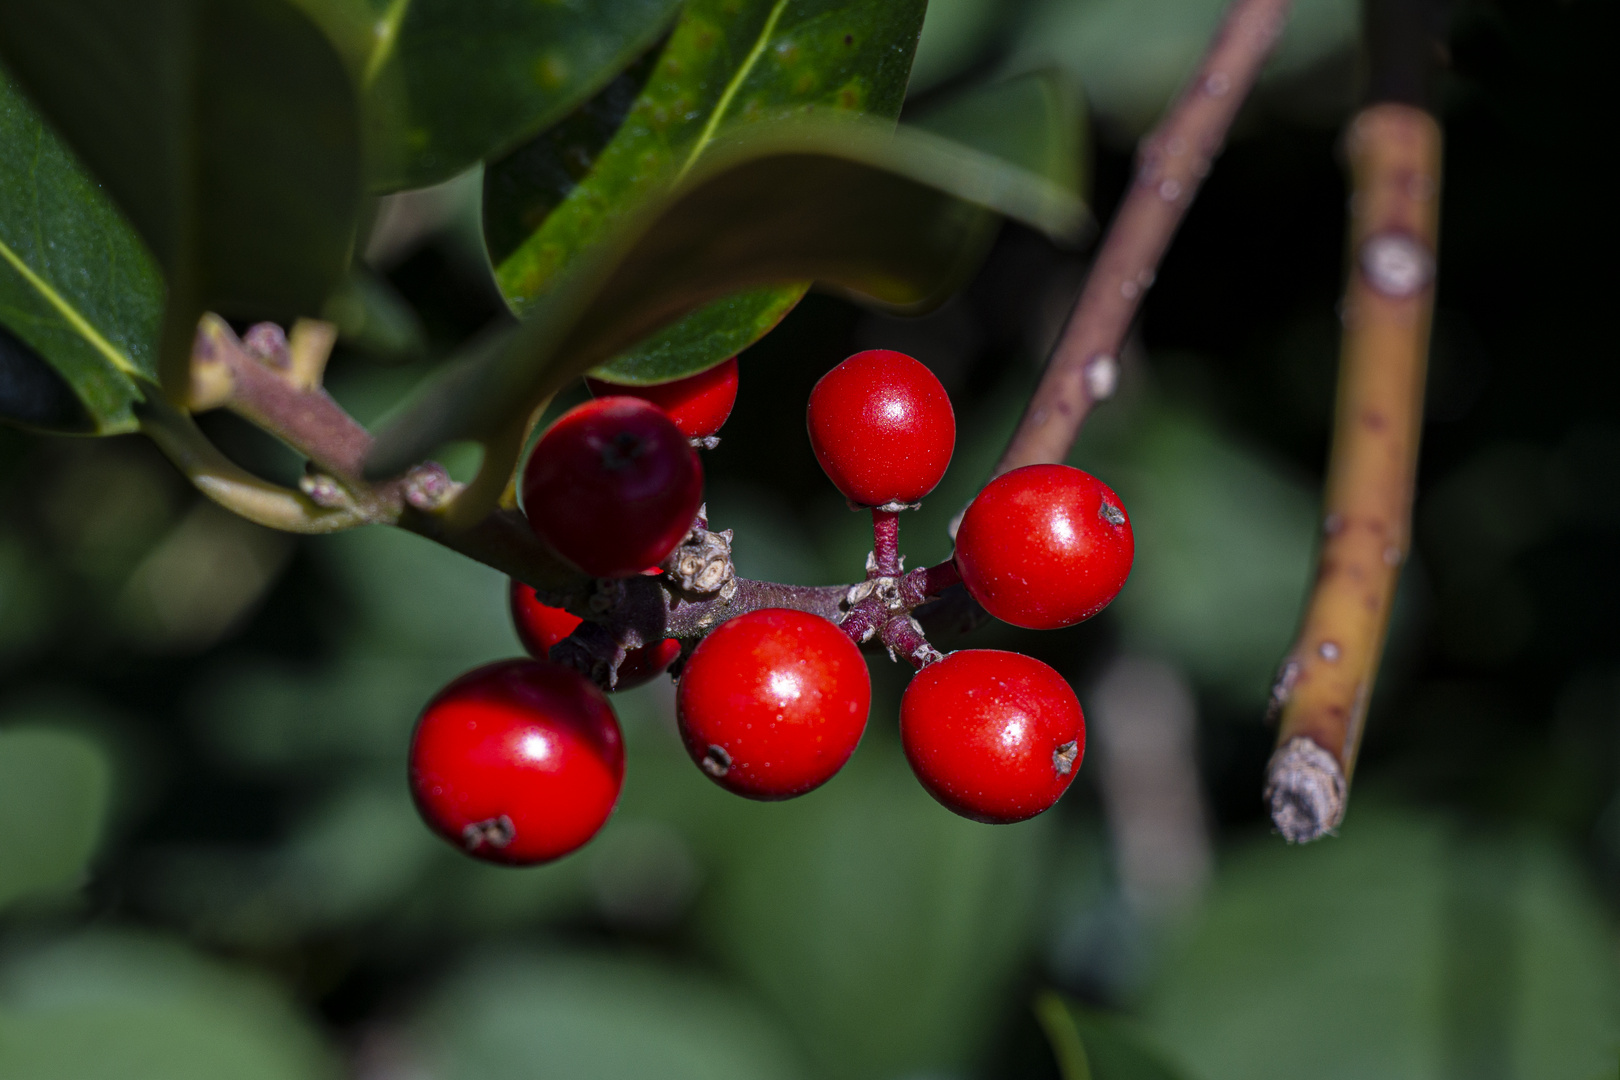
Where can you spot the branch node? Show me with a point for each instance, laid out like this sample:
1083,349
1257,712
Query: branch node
428,486
324,491
267,343
1102,377
308,349
702,564
1305,789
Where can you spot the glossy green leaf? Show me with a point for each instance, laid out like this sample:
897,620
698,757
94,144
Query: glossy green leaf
127,1007
227,131
554,1016
727,65
1090,1045
882,926
897,218
478,78
53,803
77,289
1033,121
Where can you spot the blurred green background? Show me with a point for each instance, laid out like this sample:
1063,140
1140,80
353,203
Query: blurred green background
209,865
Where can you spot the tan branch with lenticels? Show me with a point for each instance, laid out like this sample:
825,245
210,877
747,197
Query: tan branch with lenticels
1322,691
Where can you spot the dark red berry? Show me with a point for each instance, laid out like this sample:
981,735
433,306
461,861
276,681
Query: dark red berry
772,703
995,736
540,627
882,427
1045,546
517,762
613,486
699,404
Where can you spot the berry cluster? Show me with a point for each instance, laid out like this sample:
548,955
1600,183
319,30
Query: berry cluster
521,761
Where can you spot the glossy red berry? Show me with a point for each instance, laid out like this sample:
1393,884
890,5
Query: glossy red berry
995,736
882,427
698,404
539,627
772,703
517,762
1045,546
613,486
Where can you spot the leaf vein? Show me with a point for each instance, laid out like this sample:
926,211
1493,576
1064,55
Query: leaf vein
68,312
706,136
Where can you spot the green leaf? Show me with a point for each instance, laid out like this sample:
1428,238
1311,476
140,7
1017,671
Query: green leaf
897,218
127,1007
77,289
228,132
1134,54
1033,121
53,802
561,1017
728,65
1090,1045
478,78
1225,545
883,927
1404,949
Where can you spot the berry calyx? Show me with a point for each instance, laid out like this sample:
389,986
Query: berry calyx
539,627
994,736
517,762
613,486
882,427
698,404
772,703
1045,546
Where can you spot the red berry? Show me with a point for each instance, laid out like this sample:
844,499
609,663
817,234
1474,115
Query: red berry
517,762
1045,546
613,486
995,736
540,627
882,427
699,404
772,703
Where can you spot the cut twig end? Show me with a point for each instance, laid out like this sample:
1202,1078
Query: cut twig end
1305,789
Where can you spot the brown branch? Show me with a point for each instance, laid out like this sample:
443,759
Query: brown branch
1171,163
275,384
1394,153
273,393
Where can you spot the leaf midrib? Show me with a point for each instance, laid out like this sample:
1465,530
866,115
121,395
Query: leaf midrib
69,312
387,31
706,136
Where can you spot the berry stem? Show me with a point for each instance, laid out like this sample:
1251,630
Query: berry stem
1171,162
885,543
1327,678
906,641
